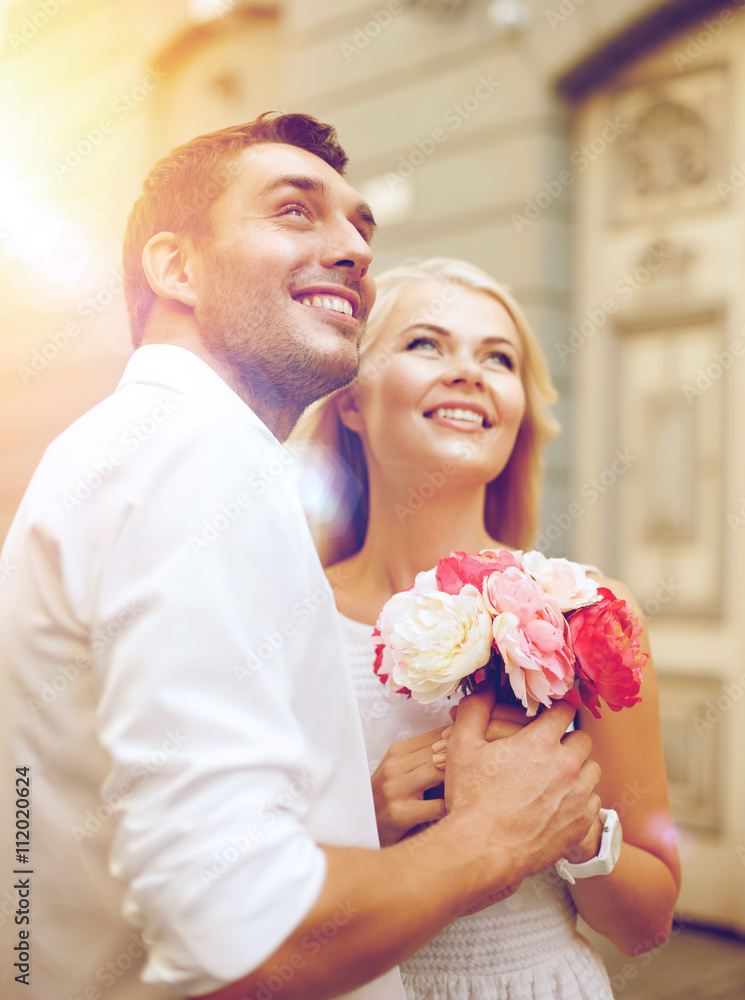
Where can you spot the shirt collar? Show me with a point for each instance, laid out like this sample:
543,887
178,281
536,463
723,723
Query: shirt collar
178,369
171,367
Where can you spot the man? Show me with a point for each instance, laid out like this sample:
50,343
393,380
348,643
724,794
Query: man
201,812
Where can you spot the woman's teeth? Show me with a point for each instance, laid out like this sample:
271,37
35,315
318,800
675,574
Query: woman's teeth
443,413
333,302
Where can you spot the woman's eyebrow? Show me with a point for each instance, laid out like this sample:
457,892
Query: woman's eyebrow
446,333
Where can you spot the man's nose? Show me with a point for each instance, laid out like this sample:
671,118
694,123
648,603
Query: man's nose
347,247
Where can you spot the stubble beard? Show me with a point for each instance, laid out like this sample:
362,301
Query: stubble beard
271,361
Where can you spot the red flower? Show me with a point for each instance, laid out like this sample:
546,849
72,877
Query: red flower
459,569
605,637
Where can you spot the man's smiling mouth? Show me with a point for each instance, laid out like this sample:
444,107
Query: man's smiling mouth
333,302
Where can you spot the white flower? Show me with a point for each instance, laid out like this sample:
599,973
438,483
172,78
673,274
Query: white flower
435,640
426,581
564,581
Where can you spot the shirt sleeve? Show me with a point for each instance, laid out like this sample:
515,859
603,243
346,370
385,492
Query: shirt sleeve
198,550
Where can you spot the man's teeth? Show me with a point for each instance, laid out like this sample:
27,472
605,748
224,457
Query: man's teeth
447,414
334,302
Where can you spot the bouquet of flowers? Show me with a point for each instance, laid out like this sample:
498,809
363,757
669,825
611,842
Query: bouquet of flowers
539,628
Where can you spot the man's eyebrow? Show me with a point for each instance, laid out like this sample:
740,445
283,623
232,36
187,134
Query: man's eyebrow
315,185
300,181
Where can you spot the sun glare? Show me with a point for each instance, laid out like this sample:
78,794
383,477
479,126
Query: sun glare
35,234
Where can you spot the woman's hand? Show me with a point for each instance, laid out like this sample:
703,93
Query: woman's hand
505,720
399,783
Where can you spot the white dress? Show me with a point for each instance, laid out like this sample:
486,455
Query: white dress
524,948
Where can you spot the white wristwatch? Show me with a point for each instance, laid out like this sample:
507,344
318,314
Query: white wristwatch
604,861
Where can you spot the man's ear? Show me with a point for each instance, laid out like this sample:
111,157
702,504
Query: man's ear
345,401
164,262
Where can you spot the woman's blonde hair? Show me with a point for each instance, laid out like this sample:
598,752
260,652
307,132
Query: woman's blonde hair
512,498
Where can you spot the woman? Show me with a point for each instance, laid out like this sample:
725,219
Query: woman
445,428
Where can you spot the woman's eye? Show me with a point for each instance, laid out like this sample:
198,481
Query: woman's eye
502,360
427,343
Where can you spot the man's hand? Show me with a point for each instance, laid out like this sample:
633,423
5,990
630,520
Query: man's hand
505,720
531,793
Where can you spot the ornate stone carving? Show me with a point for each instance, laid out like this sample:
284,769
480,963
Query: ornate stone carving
674,147
667,148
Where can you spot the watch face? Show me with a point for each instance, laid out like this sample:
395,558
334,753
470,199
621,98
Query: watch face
616,841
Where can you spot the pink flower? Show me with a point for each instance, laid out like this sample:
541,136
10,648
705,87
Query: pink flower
605,637
565,582
459,569
532,637
383,665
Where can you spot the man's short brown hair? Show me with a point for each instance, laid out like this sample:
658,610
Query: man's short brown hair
180,189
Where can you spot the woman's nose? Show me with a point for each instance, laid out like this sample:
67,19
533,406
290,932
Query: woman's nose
464,371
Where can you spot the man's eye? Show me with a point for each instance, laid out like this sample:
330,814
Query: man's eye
297,211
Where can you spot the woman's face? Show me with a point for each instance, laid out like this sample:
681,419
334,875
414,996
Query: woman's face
441,385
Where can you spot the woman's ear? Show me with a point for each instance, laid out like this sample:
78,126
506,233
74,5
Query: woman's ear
349,414
165,263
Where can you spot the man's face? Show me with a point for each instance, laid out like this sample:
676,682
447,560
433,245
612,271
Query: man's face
282,282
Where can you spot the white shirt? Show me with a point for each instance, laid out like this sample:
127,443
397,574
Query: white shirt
176,684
